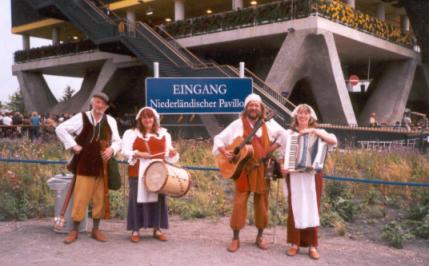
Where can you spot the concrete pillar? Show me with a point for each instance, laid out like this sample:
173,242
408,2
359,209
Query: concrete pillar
237,4
179,10
351,3
35,91
25,42
131,21
390,94
55,36
381,11
405,23
314,58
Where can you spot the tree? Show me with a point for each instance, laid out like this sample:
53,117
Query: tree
68,93
16,103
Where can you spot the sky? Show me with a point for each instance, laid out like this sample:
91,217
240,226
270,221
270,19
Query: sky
11,43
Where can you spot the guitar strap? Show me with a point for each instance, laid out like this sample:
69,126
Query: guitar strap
259,144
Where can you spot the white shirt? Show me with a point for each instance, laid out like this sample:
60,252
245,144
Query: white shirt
72,127
7,120
235,129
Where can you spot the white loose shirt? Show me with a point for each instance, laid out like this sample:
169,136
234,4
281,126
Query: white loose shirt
69,129
235,129
7,120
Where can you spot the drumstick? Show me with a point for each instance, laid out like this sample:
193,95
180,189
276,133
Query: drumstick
156,154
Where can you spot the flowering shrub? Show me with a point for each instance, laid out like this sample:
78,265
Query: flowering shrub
334,10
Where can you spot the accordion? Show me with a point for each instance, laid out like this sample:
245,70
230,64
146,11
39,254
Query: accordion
304,153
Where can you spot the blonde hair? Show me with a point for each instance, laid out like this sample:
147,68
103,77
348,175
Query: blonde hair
312,122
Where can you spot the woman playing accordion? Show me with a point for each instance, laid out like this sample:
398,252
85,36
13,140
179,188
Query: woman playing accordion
303,183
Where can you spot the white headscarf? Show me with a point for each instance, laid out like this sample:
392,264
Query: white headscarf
252,97
303,105
155,113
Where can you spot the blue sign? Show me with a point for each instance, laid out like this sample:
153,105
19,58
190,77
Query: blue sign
197,95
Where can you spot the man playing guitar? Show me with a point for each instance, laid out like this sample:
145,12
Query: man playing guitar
262,138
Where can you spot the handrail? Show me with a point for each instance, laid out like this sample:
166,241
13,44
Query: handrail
274,92
267,93
101,13
97,9
267,89
118,18
173,49
178,46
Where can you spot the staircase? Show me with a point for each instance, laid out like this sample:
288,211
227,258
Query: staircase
152,45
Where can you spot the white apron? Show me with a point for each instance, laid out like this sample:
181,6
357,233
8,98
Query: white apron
143,195
303,199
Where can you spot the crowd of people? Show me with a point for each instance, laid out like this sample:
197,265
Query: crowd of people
40,127
407,124
34,126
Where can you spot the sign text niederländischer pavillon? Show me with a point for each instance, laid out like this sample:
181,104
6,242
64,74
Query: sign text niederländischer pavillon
197,95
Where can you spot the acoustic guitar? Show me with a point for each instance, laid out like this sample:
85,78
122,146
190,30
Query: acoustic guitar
242,150
231,168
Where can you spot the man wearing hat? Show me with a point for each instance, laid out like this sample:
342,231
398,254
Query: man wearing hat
251,179
93,137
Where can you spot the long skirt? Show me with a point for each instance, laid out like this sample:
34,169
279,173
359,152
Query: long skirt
145,215
303,237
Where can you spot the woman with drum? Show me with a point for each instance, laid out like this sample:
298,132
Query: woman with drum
303,184
146,143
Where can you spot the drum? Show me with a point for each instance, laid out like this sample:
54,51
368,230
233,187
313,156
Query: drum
166,179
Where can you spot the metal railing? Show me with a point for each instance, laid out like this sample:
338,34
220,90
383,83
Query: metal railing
410,144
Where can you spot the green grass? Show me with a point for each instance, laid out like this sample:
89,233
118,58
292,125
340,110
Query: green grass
24,192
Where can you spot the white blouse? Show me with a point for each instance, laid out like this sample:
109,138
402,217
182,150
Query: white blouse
235,129
72,127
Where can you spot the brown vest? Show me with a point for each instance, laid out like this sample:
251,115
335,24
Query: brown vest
93,140
252,177
155,146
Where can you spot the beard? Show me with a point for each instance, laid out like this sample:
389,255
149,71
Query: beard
253,115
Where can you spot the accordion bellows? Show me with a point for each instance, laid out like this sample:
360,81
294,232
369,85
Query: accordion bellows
304,153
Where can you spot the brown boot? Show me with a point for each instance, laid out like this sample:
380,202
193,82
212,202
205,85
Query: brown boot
98,235
261,243
235,244
71,237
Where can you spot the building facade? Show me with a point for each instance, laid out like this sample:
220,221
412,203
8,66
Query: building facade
348,59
